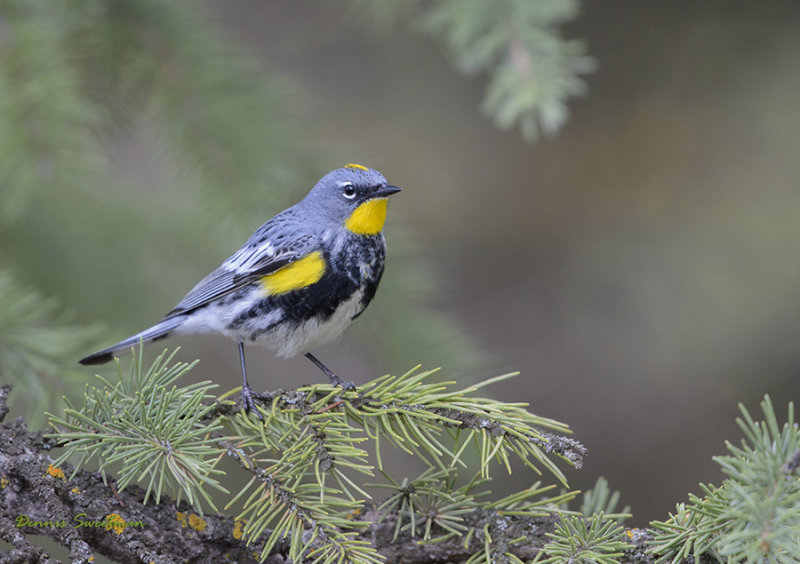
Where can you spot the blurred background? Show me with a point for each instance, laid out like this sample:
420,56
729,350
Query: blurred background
625,232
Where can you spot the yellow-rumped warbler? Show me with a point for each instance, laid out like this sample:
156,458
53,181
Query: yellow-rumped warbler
297,282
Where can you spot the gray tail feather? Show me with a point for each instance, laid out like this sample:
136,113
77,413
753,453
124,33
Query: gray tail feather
157,331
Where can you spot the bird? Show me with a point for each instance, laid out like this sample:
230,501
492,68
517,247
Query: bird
296,283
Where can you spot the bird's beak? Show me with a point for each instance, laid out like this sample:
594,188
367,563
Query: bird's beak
385,191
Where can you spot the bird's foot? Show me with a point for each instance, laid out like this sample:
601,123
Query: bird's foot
335,380
338,382
248,400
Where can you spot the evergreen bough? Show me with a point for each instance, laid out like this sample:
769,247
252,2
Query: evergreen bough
754,516
306,454
310,458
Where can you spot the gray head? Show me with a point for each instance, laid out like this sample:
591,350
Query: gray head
353,196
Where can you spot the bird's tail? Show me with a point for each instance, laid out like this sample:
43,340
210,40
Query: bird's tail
157,331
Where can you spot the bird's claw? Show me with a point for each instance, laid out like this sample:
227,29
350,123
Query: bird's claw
338,382
248,403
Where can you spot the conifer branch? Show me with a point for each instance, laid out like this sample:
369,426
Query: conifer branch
85,513
147,428
754,515
304,454
305,499
316,431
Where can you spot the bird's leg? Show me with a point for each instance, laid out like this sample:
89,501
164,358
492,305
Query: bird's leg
247,392
335,380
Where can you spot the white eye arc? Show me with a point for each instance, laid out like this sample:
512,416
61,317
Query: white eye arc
348,191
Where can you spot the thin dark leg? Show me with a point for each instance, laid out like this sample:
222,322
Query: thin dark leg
335,380
247,391
244,368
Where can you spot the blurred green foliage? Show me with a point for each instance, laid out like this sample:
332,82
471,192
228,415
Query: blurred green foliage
35,340
532,70
79,80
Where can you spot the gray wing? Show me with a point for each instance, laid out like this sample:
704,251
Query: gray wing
270,248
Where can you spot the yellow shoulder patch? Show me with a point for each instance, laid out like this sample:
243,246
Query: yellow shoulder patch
296,275
355,166
368,218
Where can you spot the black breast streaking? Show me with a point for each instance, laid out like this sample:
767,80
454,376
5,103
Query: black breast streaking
358,267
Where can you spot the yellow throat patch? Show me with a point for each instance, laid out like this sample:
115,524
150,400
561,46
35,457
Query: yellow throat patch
368,218
294,276
356,166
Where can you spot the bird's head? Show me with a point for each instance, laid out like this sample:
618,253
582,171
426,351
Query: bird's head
353,196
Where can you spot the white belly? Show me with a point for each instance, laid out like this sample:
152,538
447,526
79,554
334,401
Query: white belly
286,339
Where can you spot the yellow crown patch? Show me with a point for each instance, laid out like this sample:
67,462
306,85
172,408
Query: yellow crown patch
355,166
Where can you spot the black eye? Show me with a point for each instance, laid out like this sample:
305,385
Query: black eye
349,191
